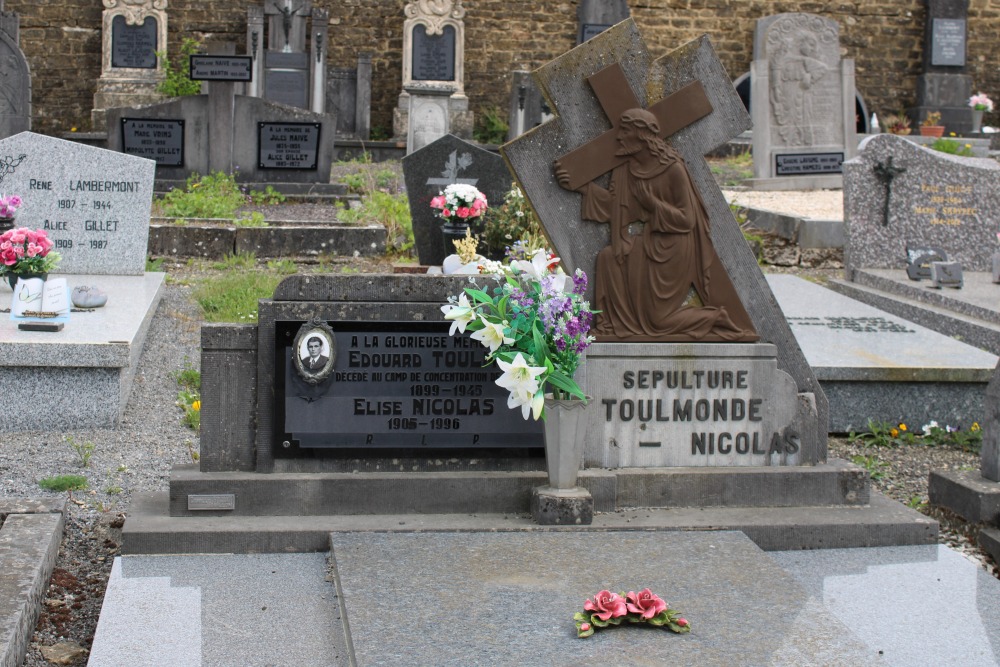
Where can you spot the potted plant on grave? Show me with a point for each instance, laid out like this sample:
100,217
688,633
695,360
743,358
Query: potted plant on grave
929,127
26,253
897,123
980,103
536,325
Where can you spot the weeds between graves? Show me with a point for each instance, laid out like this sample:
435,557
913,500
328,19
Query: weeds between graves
884,434
733,170
383,201
83,450
216,195
491,126
177,82
63,483
233,295
952,147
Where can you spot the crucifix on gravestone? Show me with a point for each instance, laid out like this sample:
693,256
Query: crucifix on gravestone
644,281
284,8
886,172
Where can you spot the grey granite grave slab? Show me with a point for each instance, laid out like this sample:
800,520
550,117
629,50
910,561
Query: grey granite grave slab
875,592
93,203
940,200
439,164
875,365
84,372
219,610
509,599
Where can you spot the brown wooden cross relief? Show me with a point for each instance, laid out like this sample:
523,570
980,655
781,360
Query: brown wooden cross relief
674,112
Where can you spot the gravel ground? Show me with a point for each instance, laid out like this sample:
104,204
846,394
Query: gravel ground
137,457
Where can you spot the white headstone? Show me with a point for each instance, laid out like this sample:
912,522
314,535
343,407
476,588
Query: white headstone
93,203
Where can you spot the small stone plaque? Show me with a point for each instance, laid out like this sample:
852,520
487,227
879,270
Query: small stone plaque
156,139
221,68
918,261
133,45
948,42
946,274
800,164
591,30
288,145
395,385
433,55
212,502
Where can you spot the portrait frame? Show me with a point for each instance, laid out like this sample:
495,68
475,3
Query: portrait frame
314,328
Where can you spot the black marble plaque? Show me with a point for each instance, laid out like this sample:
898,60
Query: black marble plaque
433,55
133,45
287,145
221,68
155,139
948,42
400,385
801,164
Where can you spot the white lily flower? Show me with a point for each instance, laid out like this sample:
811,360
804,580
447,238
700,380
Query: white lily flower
492,335
518,375
460,314
531,403
537,267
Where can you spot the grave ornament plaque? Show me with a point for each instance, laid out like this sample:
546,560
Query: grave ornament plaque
288,145
433,55
133,45
948,42
220,68
156,139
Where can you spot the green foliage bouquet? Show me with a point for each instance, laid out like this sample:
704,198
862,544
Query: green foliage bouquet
536,325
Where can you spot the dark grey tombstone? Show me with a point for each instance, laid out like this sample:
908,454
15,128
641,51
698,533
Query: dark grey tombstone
433,55
945,86
133,45
15,79
349,94
595,16
286,78
428,170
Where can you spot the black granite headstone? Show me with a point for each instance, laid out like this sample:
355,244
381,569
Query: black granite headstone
948,42
133,45
287,145
430,169
433,55
155,139
221,68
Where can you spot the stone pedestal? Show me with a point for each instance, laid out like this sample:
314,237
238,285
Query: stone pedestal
562,507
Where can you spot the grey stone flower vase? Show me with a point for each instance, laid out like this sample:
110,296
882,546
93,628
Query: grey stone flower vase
977,121
996,267
562,502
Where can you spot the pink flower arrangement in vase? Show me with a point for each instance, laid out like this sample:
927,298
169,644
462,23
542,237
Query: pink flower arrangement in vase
460,200
607,609
8,207
26,252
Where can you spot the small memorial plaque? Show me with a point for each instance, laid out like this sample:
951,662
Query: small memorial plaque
289,87
133,45
156,139
221,68
212,502
287,145
591,30
918,261
433,55
393,385
948,42
802,164
946,274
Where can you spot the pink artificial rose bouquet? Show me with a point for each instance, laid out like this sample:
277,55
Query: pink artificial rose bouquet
461,201
24,250
9,205
607,609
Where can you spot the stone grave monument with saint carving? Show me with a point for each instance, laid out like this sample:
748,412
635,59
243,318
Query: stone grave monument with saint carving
132,32
804,124
15,78
433,102
287,41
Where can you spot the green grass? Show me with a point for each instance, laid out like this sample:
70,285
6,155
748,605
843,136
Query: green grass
233,295
63,483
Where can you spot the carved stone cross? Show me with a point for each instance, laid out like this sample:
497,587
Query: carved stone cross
887,172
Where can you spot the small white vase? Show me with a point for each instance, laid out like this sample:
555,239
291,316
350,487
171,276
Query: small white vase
565,426
977,121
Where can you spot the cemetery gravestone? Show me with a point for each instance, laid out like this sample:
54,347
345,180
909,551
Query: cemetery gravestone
433,102
940,201
528,108
349,95
944,86
641,393
159,140
133,31
444,162
595,16
93,203
15,79
803,116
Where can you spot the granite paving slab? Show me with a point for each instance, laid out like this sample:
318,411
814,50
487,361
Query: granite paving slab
508,599
232,610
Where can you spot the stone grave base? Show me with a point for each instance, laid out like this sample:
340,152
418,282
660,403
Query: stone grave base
875,363
83,374
974,498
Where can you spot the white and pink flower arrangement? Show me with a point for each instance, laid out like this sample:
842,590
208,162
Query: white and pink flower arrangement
536,324
9,205
981,102
460,200
607,609
25,251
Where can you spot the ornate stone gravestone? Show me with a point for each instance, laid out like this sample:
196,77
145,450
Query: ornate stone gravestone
595,16
15,78
937,202
133,31
427,171
944,86
804,103
663,395
433,101
285,70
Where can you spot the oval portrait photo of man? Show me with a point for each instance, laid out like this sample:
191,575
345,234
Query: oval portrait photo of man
315,351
